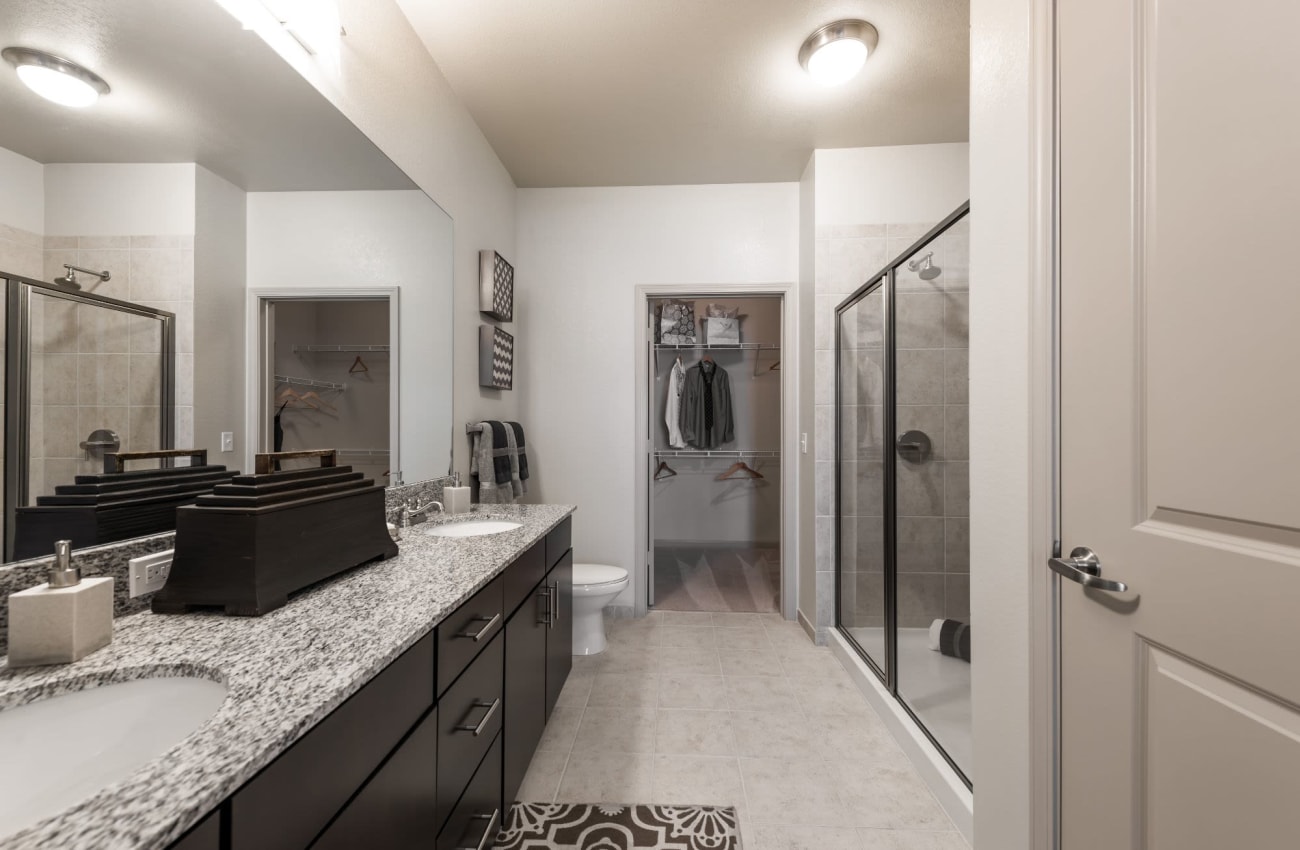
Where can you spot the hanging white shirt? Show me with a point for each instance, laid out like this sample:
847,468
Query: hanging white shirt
673,413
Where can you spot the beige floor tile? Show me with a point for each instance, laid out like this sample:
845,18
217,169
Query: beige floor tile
575,692
692,692
852,736
831,696
791,792
744,637
543,777
607,778
691,732
771,734
818,665
631,631
616,730
732,620
635,659
561,729
739,662
773,837
689,661
687,618
685,636
696,780
887,793
908,839
615,690
760,693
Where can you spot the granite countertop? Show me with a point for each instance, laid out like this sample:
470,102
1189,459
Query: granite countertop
284,672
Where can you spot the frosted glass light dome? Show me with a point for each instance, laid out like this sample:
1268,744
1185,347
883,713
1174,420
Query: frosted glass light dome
55,79
834,54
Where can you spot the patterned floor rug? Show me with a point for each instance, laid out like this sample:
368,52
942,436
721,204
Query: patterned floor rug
606,826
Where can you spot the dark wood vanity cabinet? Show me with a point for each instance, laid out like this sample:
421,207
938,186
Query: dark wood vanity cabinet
432,750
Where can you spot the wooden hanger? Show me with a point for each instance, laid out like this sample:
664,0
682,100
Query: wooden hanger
293,399
313,398
775,367
358,365
664,471
737,467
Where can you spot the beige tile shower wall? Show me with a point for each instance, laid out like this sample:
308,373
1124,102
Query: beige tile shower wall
95,368
931,334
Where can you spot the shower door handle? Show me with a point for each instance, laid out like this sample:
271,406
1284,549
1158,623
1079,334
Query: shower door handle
1084,567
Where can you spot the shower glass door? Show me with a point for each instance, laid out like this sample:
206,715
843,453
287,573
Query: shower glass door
902,494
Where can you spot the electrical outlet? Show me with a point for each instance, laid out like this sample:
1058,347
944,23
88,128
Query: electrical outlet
148,573
227,441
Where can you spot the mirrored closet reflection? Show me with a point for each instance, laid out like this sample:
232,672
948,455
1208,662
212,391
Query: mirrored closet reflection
715,464
903,560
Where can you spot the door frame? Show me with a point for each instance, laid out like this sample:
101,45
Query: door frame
255,394
642,336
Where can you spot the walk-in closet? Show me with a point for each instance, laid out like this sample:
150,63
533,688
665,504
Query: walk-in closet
715,459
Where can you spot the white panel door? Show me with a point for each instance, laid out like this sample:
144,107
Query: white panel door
1180,402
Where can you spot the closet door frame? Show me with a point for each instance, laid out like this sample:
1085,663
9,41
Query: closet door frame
793,461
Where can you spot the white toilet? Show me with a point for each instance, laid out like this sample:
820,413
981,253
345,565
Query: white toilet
594,587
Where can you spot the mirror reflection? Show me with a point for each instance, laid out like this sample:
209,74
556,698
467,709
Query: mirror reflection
147,237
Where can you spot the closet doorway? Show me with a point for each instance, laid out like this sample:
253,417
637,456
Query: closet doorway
714,493
326,377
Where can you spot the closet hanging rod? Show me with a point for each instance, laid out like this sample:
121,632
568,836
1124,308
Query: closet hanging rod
309,382
714,453
369,348
720,346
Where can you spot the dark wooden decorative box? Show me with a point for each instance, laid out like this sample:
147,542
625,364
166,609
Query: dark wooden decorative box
116,504
254,541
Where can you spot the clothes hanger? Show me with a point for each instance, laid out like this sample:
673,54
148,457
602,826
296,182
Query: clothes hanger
313,398
664,471
739,466
775,367
358,365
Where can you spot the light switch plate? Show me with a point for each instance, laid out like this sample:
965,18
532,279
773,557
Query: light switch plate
227,441
148,573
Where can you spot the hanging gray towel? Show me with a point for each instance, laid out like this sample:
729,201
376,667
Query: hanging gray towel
497,462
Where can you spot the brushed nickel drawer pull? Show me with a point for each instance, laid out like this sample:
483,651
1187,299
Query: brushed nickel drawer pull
490,833
545,593
481,633
482,724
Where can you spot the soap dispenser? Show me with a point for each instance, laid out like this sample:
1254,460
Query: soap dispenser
455,498
63,620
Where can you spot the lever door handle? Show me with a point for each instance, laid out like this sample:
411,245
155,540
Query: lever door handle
1084,567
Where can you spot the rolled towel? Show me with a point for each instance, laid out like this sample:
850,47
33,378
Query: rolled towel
951,637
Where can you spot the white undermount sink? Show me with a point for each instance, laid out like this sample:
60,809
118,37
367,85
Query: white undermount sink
62,749
472,528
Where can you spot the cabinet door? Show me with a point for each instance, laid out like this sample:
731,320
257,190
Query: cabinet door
559,636
396,808
525,687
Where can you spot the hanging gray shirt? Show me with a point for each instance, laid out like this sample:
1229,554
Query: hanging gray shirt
694,427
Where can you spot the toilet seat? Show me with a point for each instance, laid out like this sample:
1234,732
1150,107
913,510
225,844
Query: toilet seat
597,575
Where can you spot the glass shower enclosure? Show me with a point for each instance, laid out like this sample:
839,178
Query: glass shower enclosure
84,375
902,496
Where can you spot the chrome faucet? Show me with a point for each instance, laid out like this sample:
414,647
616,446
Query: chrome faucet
411,509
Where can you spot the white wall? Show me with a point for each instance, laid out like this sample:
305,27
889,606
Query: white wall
22,185
584,251
220,248
1003,34
119,199
388,85
363,239
890,184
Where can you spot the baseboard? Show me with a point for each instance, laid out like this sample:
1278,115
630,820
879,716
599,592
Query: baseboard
938,775
816,635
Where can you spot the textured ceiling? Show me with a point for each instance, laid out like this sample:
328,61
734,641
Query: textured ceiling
642,92
189,85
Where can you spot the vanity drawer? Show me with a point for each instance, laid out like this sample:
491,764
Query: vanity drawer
468,629
524,575
477,817
469,718
286,805
205,836
558,541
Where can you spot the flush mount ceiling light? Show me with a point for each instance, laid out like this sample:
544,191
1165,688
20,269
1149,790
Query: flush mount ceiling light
64,82
836,52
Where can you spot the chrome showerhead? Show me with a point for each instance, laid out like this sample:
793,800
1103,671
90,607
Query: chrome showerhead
925,267
69,280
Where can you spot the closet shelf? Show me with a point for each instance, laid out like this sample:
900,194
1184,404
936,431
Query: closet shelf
721,346
374,349
715,453
310,382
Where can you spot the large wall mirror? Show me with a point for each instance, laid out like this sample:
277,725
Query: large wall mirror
212,185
